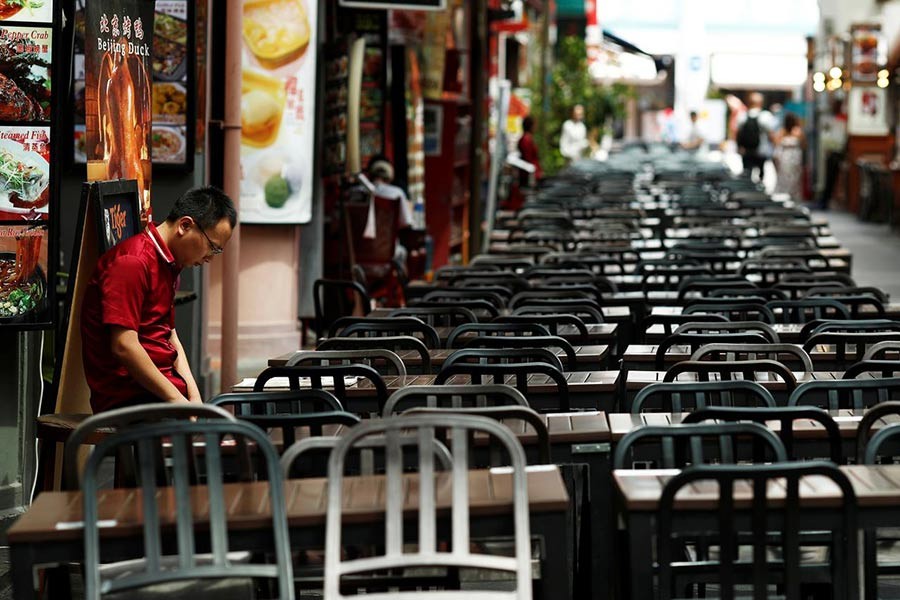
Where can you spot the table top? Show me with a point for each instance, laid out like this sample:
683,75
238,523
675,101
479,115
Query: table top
875,486
636,380
57,516
640,353
788,333
847,421
598,333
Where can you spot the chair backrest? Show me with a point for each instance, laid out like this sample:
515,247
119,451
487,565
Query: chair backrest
685,396
767,294
504,414
394,343
551,321
437,316
735,311
429,552
731,369
496,296
149,440
453,396
677,446
858,304
831,290
704,285
547,342
385,326
884,368
849,326
695,340
889,350
787,354
771,524
502,356
308,425
384,361
380,248
786,417
697,326
529,296
877,417
807,309
845,393
671,322
334,298
588,312
459,336
320,376
482,309
520,372
849,347
289,402
95,428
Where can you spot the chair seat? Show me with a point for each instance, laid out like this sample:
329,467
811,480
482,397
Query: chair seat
236,588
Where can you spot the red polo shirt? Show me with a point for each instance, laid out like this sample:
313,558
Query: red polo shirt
134,287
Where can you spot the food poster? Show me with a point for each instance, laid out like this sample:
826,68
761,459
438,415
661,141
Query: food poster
118,42
32,11
336,90
24,173
169,139
24,285
868,52
415,130
278,111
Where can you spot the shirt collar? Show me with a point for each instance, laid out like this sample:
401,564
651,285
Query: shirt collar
160,244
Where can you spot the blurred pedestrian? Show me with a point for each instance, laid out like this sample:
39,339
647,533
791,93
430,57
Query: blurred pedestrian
573,140
695,138
754,131
788,157
528,150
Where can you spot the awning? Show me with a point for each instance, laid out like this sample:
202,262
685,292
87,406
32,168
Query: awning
619,60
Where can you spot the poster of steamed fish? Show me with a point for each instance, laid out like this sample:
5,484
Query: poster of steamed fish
278,94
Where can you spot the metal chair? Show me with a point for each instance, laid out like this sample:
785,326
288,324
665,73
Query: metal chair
437,316
394,343
735,311
695,340
520,372
294,402
845,393
165,573
873,420
495,295
547,342
385,326
785,416
683,396
885,443
776,352
482,309
551,321
849,326
730,369
884,368
883,351
768,525
387,363
456,338
317,376
807,309
848,347
428,552
588,312
696,325
334,298
453,396
502,356
671,322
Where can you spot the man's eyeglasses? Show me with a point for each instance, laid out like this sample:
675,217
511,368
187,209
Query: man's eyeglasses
214,249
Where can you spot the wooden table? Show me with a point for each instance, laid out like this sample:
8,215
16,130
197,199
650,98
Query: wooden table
587,358
587,389
643,356
788,333
51,531
891,311
877,491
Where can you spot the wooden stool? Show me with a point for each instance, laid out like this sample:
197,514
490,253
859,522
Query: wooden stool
53,430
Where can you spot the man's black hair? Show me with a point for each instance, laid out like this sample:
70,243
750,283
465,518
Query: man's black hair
206,206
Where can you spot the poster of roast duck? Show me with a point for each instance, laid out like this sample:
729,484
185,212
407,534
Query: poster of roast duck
117,93
28,29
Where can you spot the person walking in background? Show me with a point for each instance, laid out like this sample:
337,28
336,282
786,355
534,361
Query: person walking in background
754,131
695,140
788,157
573,140
528,150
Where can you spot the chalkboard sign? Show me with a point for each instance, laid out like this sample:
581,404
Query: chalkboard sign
399,4
117,211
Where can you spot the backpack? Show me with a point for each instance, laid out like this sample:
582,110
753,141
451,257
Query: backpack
748,134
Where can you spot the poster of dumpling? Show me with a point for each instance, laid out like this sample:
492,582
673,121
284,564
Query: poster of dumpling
278,88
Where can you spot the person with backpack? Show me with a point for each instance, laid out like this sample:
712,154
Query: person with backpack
754,131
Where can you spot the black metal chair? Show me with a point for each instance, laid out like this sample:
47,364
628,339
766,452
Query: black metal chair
547,342
293,402
883,446
730,369
884,368
179,569
386,362
875,418
785,416
807,309
336,374
551,321
695,340
849,348
710,328
385,326
768,525
858,305
529,296
461,334
482,309
889,350
397,344
498,296
787,354
670,322
334,298
588,312
767,294
437,316
453,396
735,311
684,396
519,372
502,356
849,326
845,393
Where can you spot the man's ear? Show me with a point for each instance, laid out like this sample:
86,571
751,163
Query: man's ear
184,225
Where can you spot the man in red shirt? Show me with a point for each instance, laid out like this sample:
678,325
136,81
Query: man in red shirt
131,352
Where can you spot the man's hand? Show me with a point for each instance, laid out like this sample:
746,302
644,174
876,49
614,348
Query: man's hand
127,349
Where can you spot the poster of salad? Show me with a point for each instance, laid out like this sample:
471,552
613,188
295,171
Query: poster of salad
278,87
32,11
24,287
24,172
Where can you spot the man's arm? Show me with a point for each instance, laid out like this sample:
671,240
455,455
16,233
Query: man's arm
184,369
127,349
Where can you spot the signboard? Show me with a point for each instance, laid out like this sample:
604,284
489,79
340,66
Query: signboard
118,42
28,185
117,212
400,4
278,88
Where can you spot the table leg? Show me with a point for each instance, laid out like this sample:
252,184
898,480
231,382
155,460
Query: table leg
556,573
21,558
640,554
600,514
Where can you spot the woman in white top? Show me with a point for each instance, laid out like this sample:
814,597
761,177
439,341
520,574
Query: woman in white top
573,140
